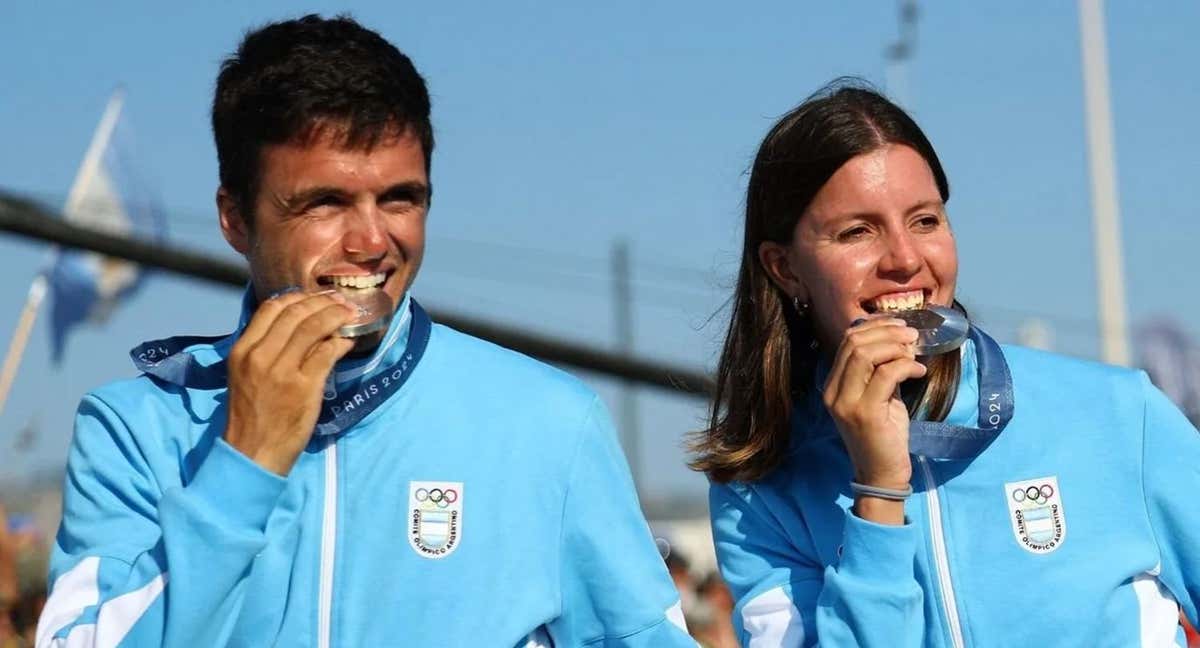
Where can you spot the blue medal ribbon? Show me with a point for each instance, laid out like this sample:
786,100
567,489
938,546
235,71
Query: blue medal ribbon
940,440
168,360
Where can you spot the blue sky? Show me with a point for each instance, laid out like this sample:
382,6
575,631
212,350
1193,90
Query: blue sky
564,127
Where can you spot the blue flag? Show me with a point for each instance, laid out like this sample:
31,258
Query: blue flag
110,196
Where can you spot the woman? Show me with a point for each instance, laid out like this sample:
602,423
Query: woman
1051,498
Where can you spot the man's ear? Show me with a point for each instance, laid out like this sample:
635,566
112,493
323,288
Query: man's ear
773,258
233,223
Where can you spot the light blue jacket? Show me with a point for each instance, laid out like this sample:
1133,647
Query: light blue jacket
1078,525
483,503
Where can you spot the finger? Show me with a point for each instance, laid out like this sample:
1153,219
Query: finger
882,329
274,342
864,330
863,360
322,357
887,379
264,316
874,317
312,330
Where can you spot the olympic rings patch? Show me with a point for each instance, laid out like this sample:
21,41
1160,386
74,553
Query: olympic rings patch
1037,494
1035,509
435,517
437,496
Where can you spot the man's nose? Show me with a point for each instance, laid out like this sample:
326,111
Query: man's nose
365,236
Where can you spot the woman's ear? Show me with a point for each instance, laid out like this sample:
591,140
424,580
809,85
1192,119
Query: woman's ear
774,259
233,224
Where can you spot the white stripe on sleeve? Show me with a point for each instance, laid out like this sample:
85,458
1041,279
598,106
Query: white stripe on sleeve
80,635
539,639
114,620
675,615
118,616
71,594
1158,612
772,620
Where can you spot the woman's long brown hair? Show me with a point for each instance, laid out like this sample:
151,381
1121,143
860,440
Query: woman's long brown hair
771,350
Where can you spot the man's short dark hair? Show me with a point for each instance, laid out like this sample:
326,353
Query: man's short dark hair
298,80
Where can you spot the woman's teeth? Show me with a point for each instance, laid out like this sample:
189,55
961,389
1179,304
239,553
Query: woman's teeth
900,302
359,281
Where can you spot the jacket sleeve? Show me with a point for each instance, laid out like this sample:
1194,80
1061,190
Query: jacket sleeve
135,564
616,591
785,595
1171,480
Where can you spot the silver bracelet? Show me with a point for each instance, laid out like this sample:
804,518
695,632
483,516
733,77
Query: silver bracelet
896,495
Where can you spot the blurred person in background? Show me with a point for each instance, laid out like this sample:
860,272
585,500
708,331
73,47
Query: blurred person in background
289,485
28,550
717,631
706,603
9,593
680,569
1054,497
22,579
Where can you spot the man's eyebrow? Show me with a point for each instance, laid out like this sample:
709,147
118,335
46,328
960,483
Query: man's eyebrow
415,188
304,196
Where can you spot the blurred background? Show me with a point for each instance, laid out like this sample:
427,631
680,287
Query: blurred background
589,173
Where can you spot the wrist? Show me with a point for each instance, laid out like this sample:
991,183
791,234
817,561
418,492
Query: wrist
879,510
898,480
268,456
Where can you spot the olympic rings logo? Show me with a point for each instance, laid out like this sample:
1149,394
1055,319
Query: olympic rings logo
1036,494
440,498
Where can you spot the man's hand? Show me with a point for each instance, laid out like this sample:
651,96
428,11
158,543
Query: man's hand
277,372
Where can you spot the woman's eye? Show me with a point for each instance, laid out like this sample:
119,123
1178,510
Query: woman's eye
853,234
928,222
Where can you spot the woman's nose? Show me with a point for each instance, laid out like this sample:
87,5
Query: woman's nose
901,256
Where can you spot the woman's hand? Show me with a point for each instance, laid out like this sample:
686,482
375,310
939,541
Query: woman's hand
862,395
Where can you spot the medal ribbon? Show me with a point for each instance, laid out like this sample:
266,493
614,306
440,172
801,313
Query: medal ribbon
168,361
940,440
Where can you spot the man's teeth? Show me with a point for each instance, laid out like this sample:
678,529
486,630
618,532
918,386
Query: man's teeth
359,281
901,302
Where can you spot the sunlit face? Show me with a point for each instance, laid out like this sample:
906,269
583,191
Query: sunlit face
325,215
875,237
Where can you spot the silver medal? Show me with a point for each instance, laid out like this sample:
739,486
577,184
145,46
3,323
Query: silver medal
374,312
939,329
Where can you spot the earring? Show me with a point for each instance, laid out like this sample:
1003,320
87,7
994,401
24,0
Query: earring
801,307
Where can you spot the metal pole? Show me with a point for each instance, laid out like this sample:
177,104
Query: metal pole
25,218
623,318
1102,163
899,53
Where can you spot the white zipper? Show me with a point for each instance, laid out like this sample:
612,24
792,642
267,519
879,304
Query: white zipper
328,546
941,559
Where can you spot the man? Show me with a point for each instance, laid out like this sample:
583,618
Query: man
289,486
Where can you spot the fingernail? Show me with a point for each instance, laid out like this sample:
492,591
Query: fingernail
283,291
